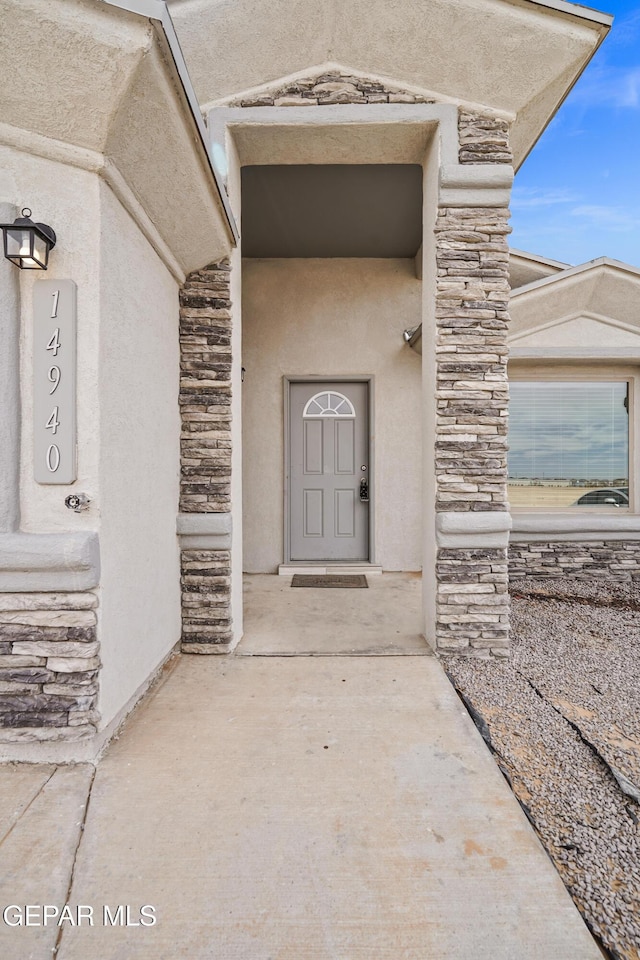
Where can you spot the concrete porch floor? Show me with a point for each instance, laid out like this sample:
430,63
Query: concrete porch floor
286,808
385,618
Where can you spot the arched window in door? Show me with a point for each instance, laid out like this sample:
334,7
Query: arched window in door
329,404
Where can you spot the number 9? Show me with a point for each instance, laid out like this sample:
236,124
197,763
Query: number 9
54,378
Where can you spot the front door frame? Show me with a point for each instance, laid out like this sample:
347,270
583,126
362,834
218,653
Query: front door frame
287,380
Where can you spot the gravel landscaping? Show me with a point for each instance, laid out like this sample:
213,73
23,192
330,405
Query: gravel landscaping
562,717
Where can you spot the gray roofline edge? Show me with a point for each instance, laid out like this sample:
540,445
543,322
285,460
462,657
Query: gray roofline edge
538,258
576,10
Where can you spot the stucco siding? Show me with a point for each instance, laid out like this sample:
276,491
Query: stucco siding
139,462
332,318
26,180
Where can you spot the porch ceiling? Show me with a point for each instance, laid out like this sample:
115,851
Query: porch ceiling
516,57
332,210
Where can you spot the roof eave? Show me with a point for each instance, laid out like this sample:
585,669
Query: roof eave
575,271
604,20
156,11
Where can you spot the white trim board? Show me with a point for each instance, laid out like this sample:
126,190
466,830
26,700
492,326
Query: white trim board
568,318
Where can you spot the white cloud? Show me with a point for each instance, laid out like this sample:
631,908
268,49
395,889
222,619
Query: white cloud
526,197
610,218
609,86
626,30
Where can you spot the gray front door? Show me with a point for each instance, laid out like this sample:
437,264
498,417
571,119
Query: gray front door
329,457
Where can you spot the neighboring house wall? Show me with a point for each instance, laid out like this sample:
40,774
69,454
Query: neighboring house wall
332,318
582,325
584,559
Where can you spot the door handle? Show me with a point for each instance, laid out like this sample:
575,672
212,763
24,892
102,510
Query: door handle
364,490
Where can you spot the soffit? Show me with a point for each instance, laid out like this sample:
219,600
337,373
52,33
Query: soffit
525,268
95,83
65,66
514,57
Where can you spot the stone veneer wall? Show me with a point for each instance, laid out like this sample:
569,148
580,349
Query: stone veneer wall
483,139
471,427
48,666
205,451
619,559
473,293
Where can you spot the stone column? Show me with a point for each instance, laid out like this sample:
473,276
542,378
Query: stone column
204,522
472,519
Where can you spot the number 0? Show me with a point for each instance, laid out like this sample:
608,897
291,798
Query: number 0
53,458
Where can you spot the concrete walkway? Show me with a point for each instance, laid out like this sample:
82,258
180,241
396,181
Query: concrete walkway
287,808
385,618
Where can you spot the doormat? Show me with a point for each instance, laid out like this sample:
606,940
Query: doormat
329,580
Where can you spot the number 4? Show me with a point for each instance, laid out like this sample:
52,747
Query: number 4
53,423
54,344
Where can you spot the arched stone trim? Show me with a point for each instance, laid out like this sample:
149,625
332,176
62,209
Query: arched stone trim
329,87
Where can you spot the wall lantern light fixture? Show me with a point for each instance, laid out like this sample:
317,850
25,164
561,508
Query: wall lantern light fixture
27,244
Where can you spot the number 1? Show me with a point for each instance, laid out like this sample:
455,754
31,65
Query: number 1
54,309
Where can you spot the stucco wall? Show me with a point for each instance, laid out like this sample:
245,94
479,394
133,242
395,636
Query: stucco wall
72,210
139,458
332,318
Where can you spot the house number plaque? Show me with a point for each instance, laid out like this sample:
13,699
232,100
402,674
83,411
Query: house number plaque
54,392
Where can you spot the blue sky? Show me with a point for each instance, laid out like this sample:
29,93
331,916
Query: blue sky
577,196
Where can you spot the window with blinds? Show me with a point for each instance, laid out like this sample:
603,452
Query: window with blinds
569,444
